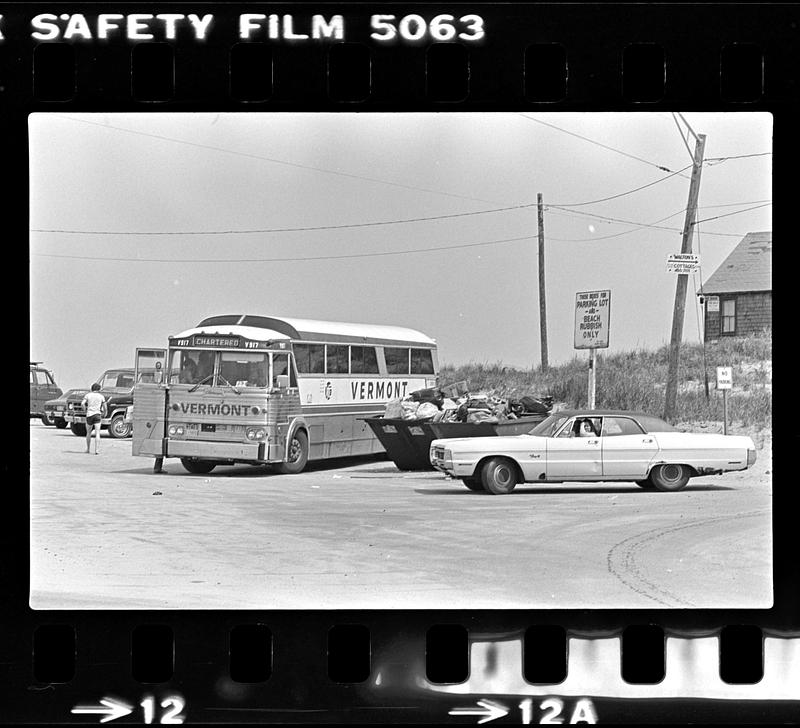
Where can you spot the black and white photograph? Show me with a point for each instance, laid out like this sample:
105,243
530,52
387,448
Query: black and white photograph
478,360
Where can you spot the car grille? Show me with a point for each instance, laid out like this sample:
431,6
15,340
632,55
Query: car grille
438,453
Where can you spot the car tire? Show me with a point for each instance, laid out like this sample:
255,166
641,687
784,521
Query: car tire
298,454
46,420
61,423
474,484
669,477
499,476
198,467
118,428
78,429
646,484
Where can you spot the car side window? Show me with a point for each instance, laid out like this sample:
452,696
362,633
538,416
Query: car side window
616,426
568,430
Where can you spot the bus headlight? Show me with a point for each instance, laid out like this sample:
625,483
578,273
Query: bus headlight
255,433
175,430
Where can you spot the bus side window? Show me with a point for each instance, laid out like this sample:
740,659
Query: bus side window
310,358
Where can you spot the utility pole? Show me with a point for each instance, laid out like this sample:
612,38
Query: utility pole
542,305
680,287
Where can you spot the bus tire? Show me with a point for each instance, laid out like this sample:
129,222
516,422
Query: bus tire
118,428
198,467
78,429
298,454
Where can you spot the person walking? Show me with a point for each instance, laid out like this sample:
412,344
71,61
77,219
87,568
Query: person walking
95,405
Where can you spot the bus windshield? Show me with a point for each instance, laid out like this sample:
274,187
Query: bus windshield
214,368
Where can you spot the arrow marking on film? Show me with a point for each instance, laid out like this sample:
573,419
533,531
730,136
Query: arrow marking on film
488,709
112,709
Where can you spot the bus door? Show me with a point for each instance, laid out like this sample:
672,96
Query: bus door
150,393
283,375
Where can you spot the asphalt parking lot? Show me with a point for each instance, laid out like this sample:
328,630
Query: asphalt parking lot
108,533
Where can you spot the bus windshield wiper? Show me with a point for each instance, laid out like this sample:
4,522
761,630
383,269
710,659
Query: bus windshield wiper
225,381
202,381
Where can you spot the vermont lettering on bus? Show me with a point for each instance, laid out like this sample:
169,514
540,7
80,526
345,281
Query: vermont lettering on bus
226,410
378,390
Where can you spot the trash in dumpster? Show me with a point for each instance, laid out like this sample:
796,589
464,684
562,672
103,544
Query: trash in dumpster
411,423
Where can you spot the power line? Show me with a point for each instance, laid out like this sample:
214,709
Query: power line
599,144
717,160
272,160
285,229
285,260
735,212
621,194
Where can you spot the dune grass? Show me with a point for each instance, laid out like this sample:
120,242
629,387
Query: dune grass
636,380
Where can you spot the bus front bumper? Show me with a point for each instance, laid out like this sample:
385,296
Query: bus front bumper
216,450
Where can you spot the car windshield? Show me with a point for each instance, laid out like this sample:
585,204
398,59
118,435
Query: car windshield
549,425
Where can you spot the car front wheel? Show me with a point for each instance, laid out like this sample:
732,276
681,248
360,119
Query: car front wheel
78,429
473,484
499,476
118,428
670,477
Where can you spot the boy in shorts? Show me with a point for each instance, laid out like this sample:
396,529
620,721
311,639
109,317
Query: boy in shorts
95,405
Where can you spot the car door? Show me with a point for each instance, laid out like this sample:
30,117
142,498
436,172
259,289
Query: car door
626,448
570,457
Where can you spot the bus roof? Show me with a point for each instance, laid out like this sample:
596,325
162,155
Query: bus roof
263,328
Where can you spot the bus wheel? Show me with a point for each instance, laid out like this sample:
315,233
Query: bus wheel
298,454
198,467
118,428
78,429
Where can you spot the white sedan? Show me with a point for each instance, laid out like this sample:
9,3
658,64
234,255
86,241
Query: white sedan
591,445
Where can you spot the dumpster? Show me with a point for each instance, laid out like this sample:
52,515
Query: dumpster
407,442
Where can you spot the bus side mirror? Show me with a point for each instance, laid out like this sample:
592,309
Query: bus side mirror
282,381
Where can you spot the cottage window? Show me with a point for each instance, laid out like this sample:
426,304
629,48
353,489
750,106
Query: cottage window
728,316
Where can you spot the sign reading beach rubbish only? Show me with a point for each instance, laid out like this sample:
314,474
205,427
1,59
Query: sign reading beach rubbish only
592,315
683,263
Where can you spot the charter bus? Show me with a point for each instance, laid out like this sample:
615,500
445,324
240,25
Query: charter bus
260,389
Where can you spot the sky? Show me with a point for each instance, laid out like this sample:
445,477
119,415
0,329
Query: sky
141,225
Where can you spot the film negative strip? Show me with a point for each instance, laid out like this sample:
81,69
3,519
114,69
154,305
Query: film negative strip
176,163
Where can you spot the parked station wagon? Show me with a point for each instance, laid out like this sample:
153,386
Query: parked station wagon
592,445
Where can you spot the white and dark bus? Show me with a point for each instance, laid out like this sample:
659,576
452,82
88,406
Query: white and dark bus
259,389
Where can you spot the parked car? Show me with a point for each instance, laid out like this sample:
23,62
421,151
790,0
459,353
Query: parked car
592,445
55,409
43,388
116,385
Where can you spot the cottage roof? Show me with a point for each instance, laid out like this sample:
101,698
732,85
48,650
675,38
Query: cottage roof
747,268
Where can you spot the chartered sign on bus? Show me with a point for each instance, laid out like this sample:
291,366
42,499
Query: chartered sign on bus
283,391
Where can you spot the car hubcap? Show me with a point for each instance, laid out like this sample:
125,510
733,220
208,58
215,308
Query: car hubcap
503,476
671,473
